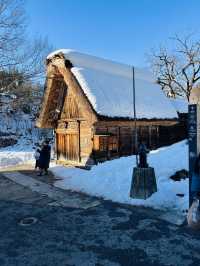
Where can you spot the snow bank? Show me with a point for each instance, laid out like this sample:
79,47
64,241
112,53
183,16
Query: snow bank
14,158
109,87
112,180
16,125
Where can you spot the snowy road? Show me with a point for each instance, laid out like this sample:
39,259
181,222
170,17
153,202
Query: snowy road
25,188
109,234
106,235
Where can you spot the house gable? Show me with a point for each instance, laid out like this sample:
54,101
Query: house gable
71,108
63,91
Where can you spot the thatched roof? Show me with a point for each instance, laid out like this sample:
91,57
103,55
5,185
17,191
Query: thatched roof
108,86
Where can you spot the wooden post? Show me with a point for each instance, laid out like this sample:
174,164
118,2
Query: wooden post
135,117
119,141
79,140
107,145
56,146
157,136
150,137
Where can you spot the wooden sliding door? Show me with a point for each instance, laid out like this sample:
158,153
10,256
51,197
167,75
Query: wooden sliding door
68,147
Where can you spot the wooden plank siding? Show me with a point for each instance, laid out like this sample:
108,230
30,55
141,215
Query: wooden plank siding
76,141
154,135
67,147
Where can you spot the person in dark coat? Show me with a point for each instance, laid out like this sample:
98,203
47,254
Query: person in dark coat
44,160
142,152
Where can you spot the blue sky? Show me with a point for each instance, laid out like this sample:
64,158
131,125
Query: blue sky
121,30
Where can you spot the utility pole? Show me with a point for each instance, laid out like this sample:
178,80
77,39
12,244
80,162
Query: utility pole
135,117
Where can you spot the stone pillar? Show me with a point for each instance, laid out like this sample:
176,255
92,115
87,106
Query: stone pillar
143,183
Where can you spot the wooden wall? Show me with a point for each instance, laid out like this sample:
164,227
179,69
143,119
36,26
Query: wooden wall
154,133
78,142
73,133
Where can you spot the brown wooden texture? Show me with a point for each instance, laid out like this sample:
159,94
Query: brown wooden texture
75,89
154,135
84,138
52,102
57,75
67,147
71,108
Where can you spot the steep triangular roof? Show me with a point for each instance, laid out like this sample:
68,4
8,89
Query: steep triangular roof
108,86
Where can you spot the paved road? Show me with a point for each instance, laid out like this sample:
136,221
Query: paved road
107,234
58,197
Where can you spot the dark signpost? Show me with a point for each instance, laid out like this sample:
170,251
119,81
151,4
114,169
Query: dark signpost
194,140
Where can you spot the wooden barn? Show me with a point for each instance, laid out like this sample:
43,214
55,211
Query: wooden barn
89,103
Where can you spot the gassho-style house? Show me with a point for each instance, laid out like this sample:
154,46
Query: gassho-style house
88,101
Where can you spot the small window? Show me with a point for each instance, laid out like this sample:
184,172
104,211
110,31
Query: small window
113,143
105,143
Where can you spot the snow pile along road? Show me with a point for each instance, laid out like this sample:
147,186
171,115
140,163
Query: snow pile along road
8,159
112,180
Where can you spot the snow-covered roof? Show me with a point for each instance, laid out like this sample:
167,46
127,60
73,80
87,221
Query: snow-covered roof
181,105
109,87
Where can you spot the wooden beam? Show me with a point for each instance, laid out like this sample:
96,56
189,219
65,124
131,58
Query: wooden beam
79,140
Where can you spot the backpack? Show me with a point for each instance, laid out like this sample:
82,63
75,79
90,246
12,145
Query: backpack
37,155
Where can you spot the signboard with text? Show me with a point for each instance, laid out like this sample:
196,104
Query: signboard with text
194,139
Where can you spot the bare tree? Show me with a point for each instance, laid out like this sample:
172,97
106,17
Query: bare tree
17,52
31,61
178,72
12,26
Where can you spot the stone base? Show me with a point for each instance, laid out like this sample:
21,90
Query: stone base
143,183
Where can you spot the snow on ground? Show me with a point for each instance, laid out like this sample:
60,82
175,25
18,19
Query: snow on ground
21,153
14,158
20,127
112,180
